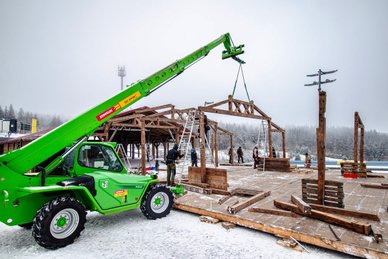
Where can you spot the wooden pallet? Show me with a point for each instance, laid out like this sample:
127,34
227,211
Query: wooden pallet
334,192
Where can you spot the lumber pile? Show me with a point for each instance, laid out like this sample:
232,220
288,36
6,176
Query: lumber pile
353,168
334,192
215,177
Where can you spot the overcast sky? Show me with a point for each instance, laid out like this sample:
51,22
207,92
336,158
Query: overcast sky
61,57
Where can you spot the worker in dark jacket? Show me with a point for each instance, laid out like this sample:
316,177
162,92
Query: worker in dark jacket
240,155
194,158
172,155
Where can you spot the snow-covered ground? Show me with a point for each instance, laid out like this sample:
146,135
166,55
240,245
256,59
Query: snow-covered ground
179,235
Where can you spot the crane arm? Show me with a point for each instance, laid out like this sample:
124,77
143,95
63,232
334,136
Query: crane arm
41,149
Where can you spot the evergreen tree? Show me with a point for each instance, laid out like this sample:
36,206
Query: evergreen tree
1,113
21,116
6,115
11,112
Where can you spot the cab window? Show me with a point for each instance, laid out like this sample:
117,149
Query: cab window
99,157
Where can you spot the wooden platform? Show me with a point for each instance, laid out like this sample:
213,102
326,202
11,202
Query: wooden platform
282,186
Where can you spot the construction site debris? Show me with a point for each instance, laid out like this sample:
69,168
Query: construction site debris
358,227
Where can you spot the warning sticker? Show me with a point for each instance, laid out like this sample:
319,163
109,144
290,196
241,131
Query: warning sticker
120,193
117,106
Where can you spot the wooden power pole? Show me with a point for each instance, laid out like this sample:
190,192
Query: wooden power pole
321,133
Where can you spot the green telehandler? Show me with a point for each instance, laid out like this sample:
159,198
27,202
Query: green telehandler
50,184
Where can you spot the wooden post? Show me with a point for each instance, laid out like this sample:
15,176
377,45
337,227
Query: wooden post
284,144
362,148
143,151
355,157
216,145
202,147
230,105
231,148
164,150
153,151
269,138
177,136
321,148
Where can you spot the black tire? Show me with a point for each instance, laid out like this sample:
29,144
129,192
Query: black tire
59,222
157,202
26,226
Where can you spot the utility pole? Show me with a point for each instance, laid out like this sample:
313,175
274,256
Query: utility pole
321,132
122,74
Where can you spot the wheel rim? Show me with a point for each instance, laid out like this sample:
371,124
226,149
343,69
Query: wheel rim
159,202
64,223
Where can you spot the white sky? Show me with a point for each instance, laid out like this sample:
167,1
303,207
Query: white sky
61,57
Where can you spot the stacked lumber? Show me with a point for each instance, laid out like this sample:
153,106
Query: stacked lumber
353,168
215,177
334,192
277,164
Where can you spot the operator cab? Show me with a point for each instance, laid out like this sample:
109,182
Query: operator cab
99,156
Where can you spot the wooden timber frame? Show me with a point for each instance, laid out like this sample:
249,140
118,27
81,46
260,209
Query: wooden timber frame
156,125
237,108
358,165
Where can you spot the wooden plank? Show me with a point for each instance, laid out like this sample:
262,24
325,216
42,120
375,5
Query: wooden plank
197,189
303,206
375,186
224,199
346,212
242,205
327,182
221,192
317,240
365,229
274,212
244,192
331,193
372,175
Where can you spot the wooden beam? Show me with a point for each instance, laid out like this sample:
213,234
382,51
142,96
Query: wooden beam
154,108
303,206
346,212
375,186
238,114
274,212
321,146
245,192
202,147
355,137
365,229
143,151
236,208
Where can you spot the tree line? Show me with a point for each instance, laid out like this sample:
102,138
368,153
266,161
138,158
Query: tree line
302,139
45,121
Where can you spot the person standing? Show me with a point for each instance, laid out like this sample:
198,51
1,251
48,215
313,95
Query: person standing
230,155
273,152
240,155
194,158
307,160
172,155
255,156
